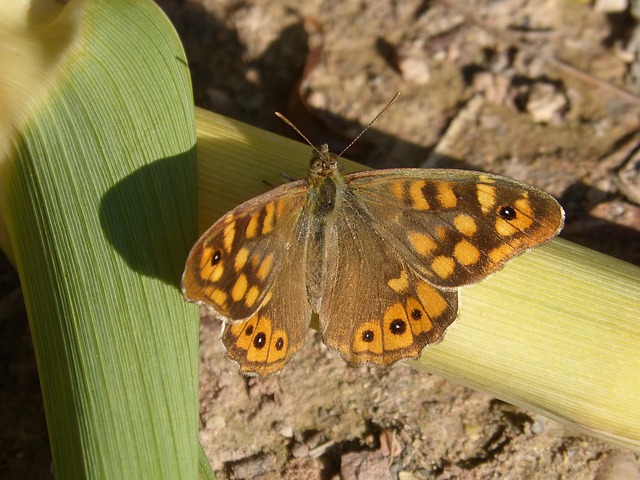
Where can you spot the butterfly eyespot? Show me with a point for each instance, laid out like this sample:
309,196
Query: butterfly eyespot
397,326
216,257
249,331
367,336
260,340
279,344
416,314
507,212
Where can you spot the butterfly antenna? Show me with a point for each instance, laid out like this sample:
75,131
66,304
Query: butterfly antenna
391,102
290,123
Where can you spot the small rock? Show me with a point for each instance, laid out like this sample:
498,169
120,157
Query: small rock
537,428
283,429
403,475
415,70
618,465
300,450
390,444
546,103
321,449
251,467
619,213
610,6
314,440
364,466
629,179
215,423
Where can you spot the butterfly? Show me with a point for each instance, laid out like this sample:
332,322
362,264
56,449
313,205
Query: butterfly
379,256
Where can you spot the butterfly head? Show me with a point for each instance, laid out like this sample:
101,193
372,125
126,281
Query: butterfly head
323,163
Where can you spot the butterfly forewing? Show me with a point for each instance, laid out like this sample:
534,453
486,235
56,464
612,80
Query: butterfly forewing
249,269
456,227
235,264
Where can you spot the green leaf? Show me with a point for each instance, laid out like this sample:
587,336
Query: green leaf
98,199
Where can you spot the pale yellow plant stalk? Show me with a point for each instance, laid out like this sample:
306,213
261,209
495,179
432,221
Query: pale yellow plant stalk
556,331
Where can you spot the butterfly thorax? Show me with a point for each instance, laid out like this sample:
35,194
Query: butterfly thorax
324,183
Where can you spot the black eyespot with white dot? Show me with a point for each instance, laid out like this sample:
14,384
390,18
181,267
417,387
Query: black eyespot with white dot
216,257
280,344
416,314
260,340
507,212
368,336
398,326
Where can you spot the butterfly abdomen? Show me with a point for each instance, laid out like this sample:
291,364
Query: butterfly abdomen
323,203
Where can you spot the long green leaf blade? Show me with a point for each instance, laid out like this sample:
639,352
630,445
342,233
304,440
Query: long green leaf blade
98,198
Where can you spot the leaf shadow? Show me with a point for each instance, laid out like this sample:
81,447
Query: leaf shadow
150,218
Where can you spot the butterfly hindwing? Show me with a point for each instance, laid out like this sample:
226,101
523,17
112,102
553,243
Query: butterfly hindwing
375,307
264,342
